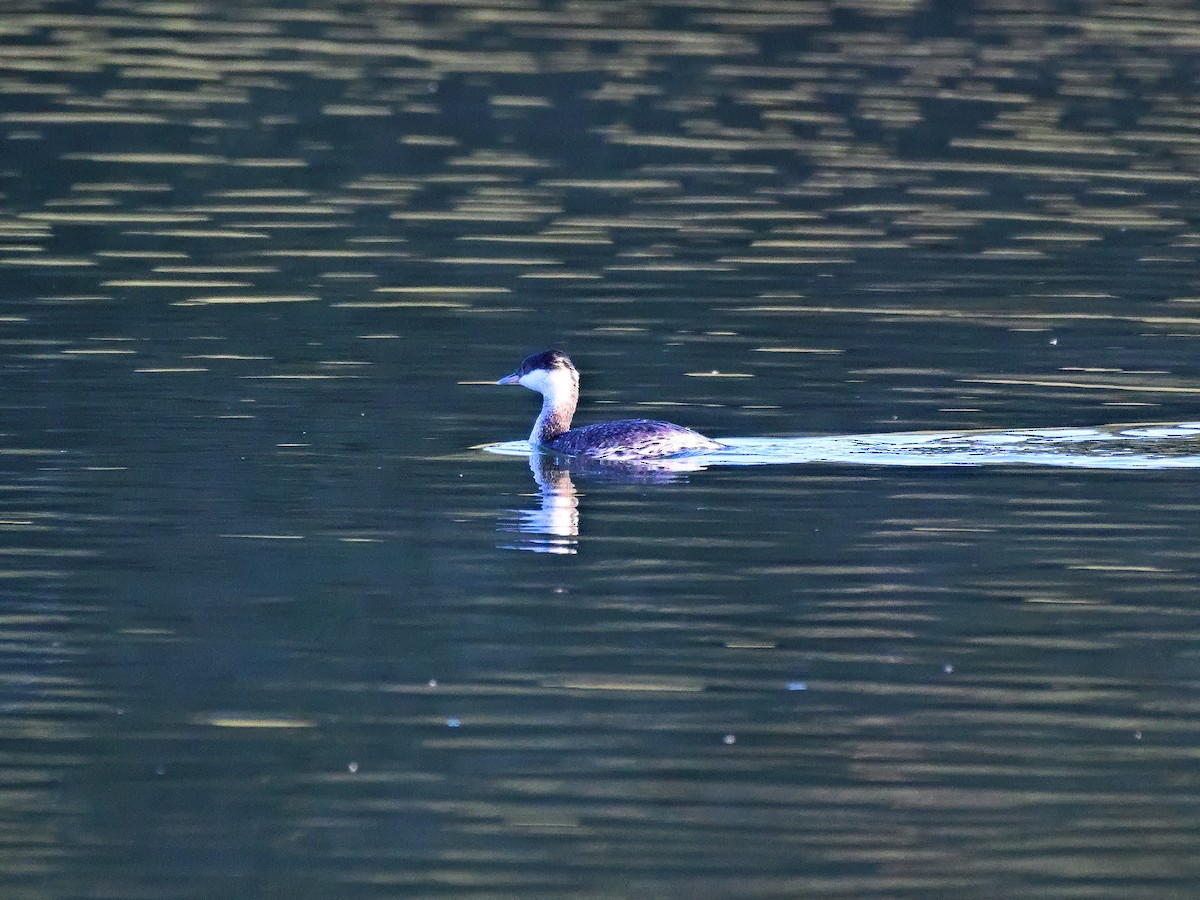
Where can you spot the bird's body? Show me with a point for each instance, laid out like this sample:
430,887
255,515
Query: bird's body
553,376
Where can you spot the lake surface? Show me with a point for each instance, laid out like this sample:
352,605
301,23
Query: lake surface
270,626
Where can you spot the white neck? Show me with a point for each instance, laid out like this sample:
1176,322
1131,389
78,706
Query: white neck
560,392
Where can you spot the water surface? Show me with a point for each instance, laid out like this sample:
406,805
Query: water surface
265,633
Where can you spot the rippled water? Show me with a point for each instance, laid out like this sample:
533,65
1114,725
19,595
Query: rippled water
264,631
1128,447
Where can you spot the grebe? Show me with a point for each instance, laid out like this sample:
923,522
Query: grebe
551,374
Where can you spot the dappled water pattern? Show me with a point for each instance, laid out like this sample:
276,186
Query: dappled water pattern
263,630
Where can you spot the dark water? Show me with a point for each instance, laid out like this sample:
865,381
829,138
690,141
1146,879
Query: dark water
266,629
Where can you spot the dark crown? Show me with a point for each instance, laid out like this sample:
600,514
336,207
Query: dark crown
547,359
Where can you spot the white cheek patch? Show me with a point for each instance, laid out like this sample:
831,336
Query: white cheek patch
556,385
535,380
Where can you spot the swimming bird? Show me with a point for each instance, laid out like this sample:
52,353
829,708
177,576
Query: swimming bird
552,375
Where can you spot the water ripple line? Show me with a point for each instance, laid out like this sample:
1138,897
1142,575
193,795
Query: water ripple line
1149,446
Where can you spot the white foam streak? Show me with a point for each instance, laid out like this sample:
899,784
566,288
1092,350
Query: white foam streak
1128,447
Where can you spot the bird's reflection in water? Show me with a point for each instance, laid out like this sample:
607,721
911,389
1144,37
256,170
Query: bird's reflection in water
553,526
